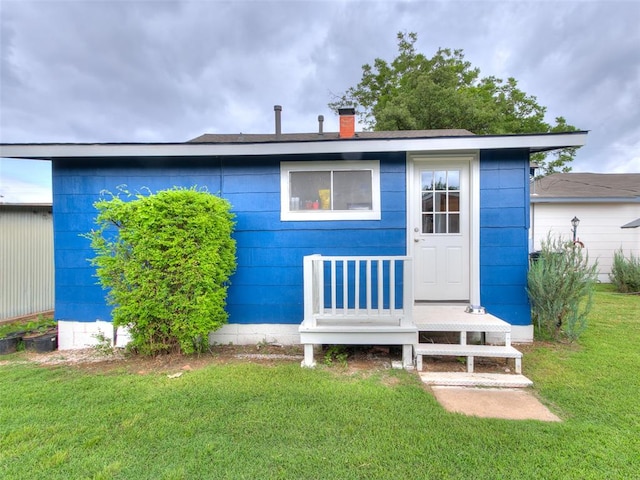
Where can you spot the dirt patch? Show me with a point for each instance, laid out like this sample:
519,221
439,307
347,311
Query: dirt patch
349,360
98,360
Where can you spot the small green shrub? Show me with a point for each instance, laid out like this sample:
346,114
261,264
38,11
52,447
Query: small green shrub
625,272
41,324
165,259
560,286
104,345
336,353
7,329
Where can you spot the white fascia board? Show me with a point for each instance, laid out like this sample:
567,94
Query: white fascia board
536,199
533,142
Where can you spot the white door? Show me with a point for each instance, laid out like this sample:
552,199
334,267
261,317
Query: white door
439,231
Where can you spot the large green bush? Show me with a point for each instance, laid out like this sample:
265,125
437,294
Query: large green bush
625,272
166,259
560,286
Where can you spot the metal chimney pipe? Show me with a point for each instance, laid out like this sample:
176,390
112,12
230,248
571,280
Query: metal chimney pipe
278,109
320,122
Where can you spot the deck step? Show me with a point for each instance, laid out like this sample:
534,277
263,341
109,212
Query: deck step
461,379
457,350
469,351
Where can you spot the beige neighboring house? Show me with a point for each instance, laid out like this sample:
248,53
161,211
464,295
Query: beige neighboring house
26,260
603,202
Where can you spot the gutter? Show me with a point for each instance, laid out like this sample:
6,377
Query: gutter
536,199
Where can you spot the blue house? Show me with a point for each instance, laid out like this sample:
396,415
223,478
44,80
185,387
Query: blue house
341,237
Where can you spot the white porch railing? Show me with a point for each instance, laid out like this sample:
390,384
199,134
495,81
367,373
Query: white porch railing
349,291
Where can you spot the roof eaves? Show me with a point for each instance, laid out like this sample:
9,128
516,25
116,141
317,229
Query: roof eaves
535,198
533,142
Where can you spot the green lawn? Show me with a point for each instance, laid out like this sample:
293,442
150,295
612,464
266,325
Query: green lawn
257,421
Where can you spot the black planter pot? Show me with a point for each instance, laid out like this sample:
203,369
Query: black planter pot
42,343
9,344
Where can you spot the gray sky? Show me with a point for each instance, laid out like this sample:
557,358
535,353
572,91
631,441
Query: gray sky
165,71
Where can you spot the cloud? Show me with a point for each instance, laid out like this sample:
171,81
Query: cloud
93,71
15,190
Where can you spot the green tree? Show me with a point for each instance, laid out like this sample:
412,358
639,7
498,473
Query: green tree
415,92
166,259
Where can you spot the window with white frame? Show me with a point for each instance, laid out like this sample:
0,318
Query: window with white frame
340,190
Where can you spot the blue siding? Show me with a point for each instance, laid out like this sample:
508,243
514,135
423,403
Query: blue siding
267,287
504,260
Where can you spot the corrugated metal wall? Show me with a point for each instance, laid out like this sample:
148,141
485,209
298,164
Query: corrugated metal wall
26,260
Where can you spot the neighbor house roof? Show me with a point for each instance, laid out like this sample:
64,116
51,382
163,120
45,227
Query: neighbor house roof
25,205
634,224
210,145
586,187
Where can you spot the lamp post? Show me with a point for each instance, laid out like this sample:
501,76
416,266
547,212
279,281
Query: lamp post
575,221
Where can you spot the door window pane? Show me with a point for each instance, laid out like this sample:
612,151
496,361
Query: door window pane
454,223
427,180
453,180
440,181
427,223
454,201
427,202
440,223
441,202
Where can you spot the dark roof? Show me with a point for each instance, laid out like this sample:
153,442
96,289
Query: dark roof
315,137
24,205
634,224
588,186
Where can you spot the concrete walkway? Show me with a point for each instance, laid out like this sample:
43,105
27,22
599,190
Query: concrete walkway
506,403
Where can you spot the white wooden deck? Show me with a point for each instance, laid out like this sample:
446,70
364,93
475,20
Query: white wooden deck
358,301
363,301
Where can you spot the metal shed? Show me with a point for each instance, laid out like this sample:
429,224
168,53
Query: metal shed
26,260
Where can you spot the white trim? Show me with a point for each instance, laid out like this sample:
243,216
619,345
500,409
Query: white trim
535,142
474,253
286,214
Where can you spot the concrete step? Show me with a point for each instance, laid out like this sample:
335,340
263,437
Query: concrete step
463,379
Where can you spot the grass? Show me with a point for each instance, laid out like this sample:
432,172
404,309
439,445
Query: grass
259,421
